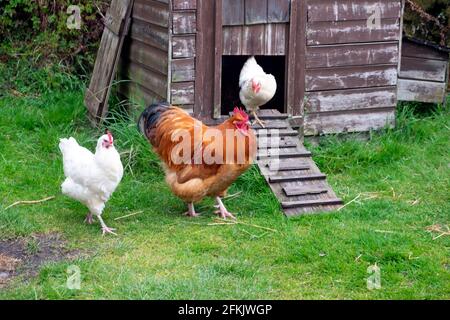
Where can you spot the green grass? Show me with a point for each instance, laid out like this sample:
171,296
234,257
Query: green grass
400,179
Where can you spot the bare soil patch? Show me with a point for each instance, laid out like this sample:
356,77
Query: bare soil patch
24,257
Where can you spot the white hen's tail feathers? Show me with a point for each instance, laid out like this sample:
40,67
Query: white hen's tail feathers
65,145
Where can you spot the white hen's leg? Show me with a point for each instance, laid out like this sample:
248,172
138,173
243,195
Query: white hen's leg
258,120
223,212
191,213
105,228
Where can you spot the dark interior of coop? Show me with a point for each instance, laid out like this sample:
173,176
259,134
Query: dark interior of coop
231,69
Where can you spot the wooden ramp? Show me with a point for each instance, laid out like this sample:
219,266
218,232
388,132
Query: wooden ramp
289,168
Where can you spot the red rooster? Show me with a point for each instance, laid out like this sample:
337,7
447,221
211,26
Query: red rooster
212,157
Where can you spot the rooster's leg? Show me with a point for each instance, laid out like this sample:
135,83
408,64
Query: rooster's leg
105,228
258,120
191,213
223,212
89,219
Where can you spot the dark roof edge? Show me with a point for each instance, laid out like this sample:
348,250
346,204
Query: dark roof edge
427,43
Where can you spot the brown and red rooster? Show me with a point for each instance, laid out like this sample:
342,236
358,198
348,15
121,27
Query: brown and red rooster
199,161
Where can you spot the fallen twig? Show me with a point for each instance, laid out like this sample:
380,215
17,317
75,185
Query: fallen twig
129,215
29,202
356,198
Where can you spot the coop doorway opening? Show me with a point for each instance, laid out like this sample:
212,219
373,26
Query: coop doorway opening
231,69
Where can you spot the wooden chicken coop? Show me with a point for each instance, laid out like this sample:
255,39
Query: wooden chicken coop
336,64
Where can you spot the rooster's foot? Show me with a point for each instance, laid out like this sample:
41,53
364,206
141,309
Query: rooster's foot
89,219
223,212
191,213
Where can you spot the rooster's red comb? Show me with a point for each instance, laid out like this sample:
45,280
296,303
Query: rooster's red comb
241,112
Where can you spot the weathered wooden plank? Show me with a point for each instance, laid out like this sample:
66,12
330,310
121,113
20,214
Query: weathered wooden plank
275,42
118,17
415,50
422,91
184,22
138,94
287,166
184,4
153,35
324,32
146,78
283,153
294,177
253,40
278,11
272,124
232,40
340,100
344,10
233,12
255,11
218,42
152,12
329,123
182,93
303,191
281,133
183,70
205,58
310,203
149,56
350,77
351,55
423,69
277,142
268,39
183,46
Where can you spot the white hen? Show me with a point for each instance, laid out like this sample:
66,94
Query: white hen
257,87
91,178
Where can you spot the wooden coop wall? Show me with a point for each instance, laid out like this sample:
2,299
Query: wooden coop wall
423,73
144,69
351,69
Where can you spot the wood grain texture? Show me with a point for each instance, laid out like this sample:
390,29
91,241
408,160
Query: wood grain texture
184,4
255,11
324,32
352,55
146,78
138,94
351,99
414,50
153,58
329,123
423,69
350,77
96,98
184,22
152,35
268,39
422,91
233,12
182,93
183,46
344,10
278,11
183,70
153,12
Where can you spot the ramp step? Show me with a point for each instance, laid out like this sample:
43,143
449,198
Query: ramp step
311,203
